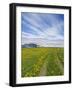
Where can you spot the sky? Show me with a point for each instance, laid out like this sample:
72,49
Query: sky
42,28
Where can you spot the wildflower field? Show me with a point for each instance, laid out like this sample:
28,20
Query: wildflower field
36,62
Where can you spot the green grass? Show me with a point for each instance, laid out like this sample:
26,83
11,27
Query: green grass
42,62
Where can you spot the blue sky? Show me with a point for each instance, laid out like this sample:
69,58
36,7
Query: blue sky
49,27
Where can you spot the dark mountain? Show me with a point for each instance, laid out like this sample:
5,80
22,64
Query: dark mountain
31,45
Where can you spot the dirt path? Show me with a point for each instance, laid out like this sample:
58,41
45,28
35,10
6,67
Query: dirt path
43,70
59,63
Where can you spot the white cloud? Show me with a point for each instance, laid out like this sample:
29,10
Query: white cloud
44,36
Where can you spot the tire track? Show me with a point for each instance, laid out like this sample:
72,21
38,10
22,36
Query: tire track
59,63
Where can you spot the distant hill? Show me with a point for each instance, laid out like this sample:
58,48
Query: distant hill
42,42
31,45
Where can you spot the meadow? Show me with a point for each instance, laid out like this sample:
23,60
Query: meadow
36,62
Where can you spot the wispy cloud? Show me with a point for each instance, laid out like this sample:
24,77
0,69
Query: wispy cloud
49,27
